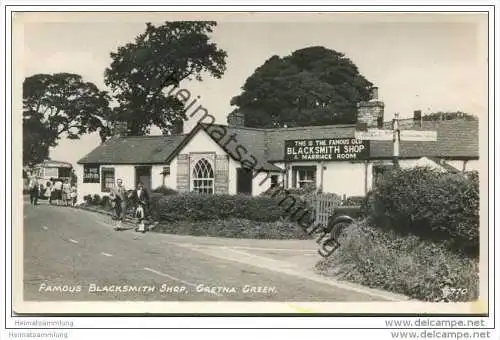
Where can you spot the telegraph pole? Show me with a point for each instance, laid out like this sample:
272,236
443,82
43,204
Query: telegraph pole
395,140
396,135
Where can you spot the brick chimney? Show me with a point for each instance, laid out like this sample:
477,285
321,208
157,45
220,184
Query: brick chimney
236,119
177,127
120,128
371,112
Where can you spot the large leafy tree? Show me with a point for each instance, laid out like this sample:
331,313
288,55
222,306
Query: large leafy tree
163,55
312,86
36,142
56,106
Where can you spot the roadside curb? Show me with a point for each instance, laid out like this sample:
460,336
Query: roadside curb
127,220
313,275
287,268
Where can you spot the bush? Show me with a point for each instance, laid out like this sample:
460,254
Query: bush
87,199
164,190
198,207
96,199
154,205
235,228
407,265
105,202
430,204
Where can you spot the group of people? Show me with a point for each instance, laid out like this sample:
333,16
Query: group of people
57,191
121,198
63,193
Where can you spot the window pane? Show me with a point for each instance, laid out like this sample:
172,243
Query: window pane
203,177
51,172
303,176
108,179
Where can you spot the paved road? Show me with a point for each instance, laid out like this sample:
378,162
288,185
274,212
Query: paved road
75,255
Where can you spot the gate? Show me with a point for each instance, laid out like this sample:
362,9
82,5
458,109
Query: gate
323,205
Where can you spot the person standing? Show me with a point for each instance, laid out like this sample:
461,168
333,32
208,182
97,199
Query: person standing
59,186
57,191
118,196
34,190
66,192
73,195
48,191
140,197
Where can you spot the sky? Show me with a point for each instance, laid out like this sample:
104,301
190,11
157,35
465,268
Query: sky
418,61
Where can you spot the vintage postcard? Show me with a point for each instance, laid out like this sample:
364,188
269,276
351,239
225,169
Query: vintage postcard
250,162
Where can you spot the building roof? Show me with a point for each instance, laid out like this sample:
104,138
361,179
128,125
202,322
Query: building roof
246,145
53,164
457,139
134,150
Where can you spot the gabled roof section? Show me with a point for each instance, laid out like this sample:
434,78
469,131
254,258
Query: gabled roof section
134,150
244,145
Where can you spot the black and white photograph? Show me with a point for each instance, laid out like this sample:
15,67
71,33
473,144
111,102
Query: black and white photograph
250,162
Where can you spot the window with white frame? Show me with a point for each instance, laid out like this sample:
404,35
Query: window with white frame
379,171
202,180
304,176
107,179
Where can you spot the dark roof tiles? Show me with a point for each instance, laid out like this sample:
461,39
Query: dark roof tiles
134,150
456,139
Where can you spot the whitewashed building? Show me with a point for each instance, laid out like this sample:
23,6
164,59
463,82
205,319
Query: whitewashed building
234,159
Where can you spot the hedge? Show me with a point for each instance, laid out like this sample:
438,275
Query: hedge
234,228
408,265
433,205
164,190
199,207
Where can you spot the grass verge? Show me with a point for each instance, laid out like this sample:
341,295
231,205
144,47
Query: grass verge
406,265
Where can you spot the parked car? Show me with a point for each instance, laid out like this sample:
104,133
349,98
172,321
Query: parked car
343,216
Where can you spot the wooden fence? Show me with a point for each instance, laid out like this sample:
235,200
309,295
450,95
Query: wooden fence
324,206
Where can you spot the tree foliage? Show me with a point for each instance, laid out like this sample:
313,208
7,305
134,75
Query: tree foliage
312,86
59,105
36,142
442,115
161,56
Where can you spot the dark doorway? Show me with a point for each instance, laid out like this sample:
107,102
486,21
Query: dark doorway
143,174
244,181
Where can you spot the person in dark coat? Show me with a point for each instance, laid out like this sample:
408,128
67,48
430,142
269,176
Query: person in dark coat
140,197
118,196
34,190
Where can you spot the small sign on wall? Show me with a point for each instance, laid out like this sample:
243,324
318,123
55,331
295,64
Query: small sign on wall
91,173
335,149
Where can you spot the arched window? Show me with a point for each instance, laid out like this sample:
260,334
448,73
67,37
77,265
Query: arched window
203,177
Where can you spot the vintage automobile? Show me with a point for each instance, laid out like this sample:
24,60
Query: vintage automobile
342,217
53,169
